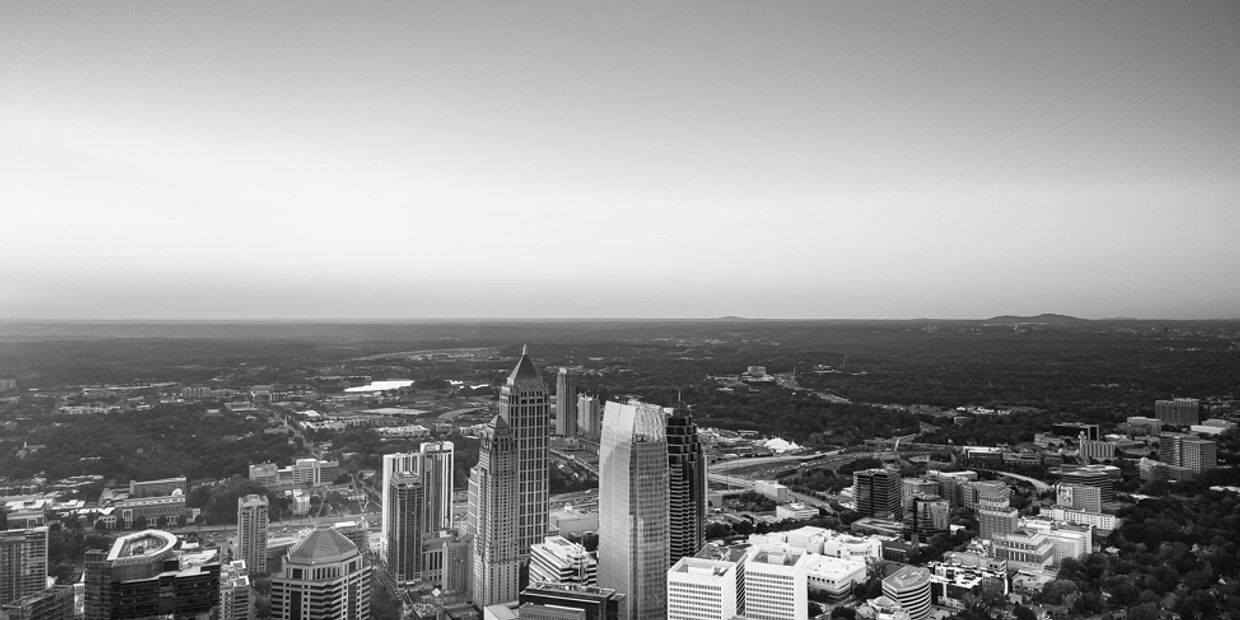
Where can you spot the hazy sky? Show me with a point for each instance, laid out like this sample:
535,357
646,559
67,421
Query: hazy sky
171,159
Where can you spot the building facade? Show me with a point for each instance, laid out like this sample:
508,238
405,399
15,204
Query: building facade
565,404
559,560
494,517
23,563
324,577
405,510
142,576
252,522
877,493
236,602
686,465
1178,412
633,508
910,587
523,404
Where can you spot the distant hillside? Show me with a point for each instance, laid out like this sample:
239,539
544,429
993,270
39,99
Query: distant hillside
1046,317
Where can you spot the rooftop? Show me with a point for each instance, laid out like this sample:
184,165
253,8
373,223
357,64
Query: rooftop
908,578
324,545
147,543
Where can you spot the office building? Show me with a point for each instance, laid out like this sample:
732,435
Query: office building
995,521
324,577
1070,540
634,540
1024,548
236,602
991,493
772,489
910,587
143,575
494,516
23,563
1178,412
1076,496
597,603
1103,477
158,488
358,533
589,416
776,583
1142,426
1091,450
446,561
834,577
404,511
877,493
252,533
1077,429
706,589
523,405
1188,451
565,404
911,487
54,603
951,484
686,470
559,560
928,515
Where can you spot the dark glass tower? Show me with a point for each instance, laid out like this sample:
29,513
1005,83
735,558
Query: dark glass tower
687,491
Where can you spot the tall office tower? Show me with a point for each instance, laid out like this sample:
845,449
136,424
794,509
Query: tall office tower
1101,476
776,583
235,600
877,493
523,405
142,576
707,588
435,463
252,533
324,577
993,522
404,510
928,515
1179,412
993,493
23,563
494,518
686,467
559,560
633,508
589,416
392,465
910,587
565,404
54,603
596,603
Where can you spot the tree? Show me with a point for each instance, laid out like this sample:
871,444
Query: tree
1024,613
843,613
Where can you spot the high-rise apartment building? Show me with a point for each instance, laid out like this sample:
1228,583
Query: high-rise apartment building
252,520
1179,412
523,405
911,487
324,577
877,493
559,560
494,516
589,416
393,464
565,404
1188,451
993,522
910,587
236,602
633,508
1077,496
436,460
686,465
23,563
405,510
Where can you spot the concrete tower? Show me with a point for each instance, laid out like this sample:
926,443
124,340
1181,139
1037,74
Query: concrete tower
252,533
405,510
493,516
633,508
523,405
565,404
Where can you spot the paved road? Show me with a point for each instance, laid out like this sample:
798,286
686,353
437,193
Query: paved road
762,460
1037,484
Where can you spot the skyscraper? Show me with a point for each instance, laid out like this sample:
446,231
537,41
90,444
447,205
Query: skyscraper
324,577
392,465
143,576
252,533
589,416
435,463
494,517
633,508
236,602
687,485
23,563
877,493
523,405
405,510
565,404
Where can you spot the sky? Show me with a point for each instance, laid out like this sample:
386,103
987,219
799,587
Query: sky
241,160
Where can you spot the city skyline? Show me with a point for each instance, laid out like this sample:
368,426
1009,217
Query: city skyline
811,160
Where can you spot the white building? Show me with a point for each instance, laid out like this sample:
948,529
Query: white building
776,583
705,589
795,510
560,561
910,587
773,490
834,576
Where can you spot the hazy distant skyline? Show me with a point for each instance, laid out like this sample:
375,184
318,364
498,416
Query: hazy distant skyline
169,160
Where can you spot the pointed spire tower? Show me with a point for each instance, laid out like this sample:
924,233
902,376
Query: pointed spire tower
524,405
493,516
